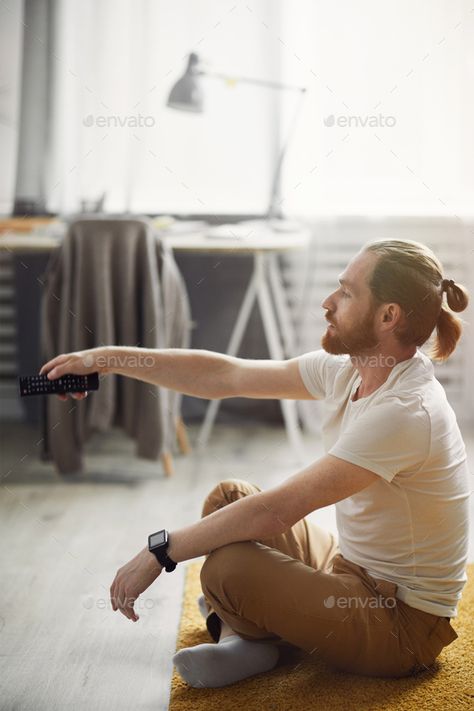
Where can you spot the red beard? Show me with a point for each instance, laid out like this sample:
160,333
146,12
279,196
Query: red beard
355,340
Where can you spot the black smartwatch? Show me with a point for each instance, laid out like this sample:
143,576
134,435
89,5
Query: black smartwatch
158,544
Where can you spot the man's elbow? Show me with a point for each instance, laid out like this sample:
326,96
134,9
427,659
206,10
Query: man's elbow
271,519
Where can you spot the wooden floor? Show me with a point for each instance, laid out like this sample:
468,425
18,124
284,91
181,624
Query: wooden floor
61,543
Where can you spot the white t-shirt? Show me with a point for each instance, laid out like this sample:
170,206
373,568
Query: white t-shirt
411,526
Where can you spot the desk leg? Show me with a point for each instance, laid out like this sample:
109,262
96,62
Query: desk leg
288,407
281,307
232,349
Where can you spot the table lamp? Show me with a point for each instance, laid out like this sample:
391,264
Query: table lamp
187,95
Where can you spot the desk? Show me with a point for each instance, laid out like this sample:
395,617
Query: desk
264,283
265,246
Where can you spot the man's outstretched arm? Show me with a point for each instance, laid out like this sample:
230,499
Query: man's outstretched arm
199,373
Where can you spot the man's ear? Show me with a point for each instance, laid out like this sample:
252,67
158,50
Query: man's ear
391,314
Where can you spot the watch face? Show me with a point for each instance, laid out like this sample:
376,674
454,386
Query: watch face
157,539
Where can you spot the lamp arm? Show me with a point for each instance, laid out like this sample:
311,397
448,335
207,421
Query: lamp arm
274,206
250,80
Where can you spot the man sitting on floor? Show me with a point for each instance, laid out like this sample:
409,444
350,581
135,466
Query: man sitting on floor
378,600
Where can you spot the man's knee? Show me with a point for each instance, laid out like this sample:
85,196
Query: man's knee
228,562
218,496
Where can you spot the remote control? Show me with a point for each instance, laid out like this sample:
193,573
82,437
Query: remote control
42,385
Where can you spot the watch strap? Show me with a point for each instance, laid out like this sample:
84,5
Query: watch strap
163,557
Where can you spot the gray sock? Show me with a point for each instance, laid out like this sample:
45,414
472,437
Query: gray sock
230,660
203,606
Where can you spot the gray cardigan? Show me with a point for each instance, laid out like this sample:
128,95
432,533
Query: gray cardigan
113,282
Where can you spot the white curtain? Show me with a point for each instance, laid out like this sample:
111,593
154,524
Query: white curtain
388,121
114,64
11,19
386,126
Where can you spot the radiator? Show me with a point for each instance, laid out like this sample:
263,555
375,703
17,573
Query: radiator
10,403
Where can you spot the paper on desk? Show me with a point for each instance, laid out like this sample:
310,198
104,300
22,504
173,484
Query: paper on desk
182,227
241,231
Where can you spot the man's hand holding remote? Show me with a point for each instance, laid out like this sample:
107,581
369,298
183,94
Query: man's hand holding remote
76,363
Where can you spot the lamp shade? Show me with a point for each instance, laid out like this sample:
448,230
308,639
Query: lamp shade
186,94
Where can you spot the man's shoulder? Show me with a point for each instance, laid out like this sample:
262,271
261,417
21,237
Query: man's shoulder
324,359
320,369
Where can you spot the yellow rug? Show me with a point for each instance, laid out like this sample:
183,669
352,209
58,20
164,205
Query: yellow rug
298,684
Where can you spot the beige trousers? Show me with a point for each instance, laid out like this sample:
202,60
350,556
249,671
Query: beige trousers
297,589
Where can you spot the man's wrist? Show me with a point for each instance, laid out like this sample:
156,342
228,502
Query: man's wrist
153,560
106,358
171,548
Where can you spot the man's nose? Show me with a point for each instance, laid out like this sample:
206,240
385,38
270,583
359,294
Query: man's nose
328,302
